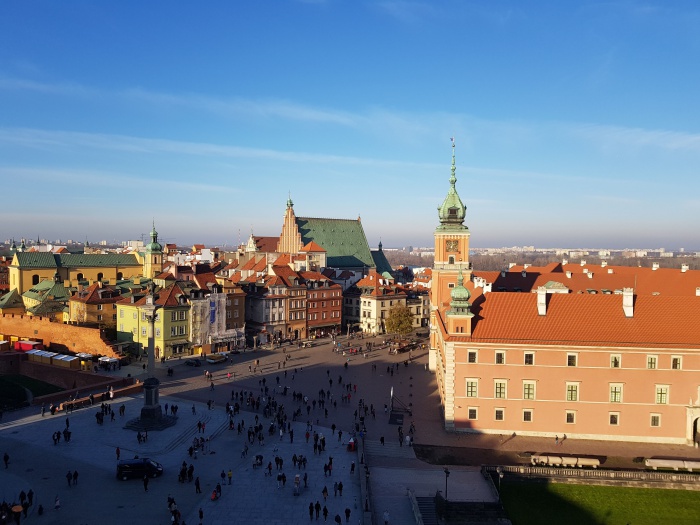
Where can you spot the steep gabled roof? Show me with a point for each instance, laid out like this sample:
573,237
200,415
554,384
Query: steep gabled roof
266,244
311,246
382,264
343,239
12,299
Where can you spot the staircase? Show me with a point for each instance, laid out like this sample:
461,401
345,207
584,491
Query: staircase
390,449
426,505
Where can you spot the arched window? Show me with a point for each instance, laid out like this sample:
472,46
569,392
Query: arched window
120,276
79,277
451,259
35,279
100,276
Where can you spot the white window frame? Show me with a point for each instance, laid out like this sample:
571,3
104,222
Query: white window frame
503,357
529,382
575,387
496,383
502,411
467,383
525,358
571,413
676,359
532,415
652,362
661,392
476,413
475,354
569,356
616,396
615,415
658,420
615,358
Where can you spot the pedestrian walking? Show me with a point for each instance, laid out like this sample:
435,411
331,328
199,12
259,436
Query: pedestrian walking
230,476
325,513
197,488
317,507
347,515
311,511
119,453
69,477
75,477
145,483
56,503
6,459
556,440
386,517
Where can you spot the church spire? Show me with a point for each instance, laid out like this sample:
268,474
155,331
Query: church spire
452,211
290,204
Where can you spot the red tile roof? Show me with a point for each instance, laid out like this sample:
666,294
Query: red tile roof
311,246
589,320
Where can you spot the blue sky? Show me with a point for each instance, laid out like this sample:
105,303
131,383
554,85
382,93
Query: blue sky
576,123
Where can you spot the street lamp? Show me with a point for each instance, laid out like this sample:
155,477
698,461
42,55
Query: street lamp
499,470
447,475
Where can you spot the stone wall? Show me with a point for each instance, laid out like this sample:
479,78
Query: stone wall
74,338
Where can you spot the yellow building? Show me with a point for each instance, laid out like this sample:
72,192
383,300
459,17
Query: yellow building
28,269
171,324
95,304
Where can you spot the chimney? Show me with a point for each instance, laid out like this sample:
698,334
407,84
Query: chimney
585,270
564,262
583,262
684,268
628,301
524,273
590,275
542,300
610,270
603,264
503,273
697,292
655,266
568,274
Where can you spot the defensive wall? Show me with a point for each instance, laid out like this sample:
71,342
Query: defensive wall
53,333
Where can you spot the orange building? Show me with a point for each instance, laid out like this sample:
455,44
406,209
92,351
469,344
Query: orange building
605,353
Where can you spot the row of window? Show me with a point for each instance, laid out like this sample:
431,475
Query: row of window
114,306
528,416
572,360
315,295
314,316
174,331
323,304
572,391
100,317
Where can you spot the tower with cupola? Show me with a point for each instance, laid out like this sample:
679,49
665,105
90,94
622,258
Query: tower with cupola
153,256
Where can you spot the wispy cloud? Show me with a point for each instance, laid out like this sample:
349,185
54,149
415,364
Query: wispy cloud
60,88
106,180
612,136
406,11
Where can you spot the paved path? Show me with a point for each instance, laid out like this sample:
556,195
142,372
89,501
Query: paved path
254,498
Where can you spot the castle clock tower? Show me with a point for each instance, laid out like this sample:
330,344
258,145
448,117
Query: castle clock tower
451,266
451,244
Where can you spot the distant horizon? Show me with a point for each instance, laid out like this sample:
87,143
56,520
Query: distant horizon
575,124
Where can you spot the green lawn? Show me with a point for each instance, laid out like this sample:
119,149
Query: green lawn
13,395
540,503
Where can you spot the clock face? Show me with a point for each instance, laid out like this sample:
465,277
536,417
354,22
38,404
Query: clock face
452,246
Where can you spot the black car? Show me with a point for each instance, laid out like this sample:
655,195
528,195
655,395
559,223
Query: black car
193,362
138,468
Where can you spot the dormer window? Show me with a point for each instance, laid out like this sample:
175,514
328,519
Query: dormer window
452,212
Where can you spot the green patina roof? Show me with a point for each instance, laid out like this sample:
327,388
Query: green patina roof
460,298
37,260
46,289
343,239
382,264
11,299
74,260
68,260
452,211
48,307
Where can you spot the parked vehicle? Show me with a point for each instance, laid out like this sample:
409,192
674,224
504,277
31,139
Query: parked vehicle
193,362
216,359
138,468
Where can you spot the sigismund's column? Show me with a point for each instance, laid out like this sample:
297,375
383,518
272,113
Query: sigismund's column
151,411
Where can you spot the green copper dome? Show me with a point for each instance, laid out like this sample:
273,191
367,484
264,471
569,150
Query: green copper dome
153,246
452,211
460,298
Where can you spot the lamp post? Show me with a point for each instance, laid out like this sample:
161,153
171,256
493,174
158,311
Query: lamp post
499,470
447,475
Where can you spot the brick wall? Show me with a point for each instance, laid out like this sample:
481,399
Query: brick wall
74,338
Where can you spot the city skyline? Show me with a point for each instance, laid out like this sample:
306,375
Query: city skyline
574,125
